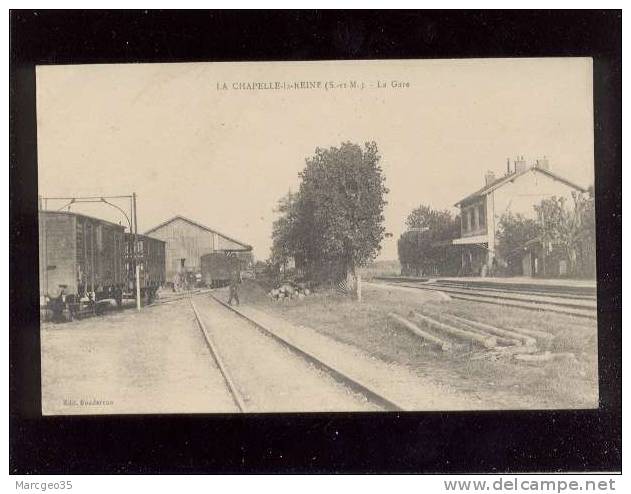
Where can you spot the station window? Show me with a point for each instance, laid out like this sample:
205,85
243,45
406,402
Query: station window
481,215
470,214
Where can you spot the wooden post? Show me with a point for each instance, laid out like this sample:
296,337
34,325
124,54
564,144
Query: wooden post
358,281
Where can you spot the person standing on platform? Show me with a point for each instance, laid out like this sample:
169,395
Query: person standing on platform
235,280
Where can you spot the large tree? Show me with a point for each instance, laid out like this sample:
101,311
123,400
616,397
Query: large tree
286,242
514,230
567,228
336,218
344,190
422,248
563,230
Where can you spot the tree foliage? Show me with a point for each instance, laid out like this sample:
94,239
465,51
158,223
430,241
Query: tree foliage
421,248
285,242
563,230
513,233
336,217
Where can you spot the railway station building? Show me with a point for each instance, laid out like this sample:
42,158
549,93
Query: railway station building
186,241
517,192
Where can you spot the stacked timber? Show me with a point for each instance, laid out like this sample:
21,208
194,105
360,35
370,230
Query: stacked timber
439,329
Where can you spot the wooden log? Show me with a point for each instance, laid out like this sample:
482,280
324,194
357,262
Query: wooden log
526,340
442,344
500,339
485,341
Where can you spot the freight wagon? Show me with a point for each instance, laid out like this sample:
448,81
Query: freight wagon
150,257
80,262
217,268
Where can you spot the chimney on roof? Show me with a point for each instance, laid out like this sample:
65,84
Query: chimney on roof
489,177
520,164
543,163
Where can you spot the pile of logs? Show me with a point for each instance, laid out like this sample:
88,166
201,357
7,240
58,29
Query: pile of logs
443,331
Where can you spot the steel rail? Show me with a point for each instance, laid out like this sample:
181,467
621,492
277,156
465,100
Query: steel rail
341,377
232,388
536,293
455,292
589,313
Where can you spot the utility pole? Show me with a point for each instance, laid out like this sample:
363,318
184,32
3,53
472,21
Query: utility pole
135,257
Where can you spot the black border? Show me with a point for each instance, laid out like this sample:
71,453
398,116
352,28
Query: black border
487,442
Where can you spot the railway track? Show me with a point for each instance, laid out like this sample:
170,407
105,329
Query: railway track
353,384
230,384
517,290
561,304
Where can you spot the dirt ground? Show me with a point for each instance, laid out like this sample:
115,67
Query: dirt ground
500,384
155,361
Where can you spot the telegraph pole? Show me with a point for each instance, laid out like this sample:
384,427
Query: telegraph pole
136,253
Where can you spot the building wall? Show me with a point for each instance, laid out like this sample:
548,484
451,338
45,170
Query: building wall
190,242
529,189
183,241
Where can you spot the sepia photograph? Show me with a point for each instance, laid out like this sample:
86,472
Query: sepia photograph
323,236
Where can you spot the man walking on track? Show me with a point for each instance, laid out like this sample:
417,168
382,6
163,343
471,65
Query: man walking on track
235,279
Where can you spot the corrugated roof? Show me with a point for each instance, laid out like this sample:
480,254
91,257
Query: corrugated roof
199,225
512,176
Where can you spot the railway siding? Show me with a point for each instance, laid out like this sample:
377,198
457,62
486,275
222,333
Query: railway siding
270,377
399,383
580,307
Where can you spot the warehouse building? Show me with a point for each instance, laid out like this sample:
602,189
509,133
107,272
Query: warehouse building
186,242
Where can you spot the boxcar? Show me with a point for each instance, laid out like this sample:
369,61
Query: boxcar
217,268
150,256
80,260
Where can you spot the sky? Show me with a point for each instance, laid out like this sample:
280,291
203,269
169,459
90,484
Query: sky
195,139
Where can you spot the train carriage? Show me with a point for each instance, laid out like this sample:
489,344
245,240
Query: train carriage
80,261
150,257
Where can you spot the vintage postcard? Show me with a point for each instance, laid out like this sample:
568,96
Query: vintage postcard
317,236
